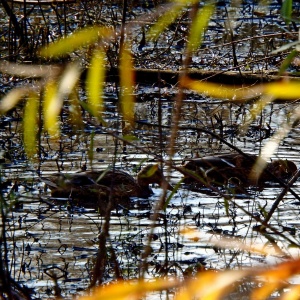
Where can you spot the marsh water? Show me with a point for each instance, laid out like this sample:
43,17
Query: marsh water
52,247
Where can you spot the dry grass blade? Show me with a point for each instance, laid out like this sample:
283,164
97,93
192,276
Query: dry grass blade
32,71
30,124
228,243
13,98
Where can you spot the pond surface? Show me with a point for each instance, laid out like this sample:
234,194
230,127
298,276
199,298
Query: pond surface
51,245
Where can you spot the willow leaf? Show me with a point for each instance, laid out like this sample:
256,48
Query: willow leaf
52,107
198,27
287,61
76,40
165,20
286,10
69,80
95,83
127,86
12,99
222,91
30,125
288,90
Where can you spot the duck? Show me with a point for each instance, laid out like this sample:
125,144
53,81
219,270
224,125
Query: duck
221,170
94,189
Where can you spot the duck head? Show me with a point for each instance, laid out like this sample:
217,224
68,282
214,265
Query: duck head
152,174
282,168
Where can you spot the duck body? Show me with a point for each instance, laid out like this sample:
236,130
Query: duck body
96,189
221,169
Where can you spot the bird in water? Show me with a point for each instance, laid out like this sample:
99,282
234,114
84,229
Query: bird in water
221,170
95,189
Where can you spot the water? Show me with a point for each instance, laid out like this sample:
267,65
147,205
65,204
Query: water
49,244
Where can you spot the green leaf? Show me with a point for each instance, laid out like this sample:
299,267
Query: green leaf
150,171
286,63
286,10
95,83
30,124
130,138
226,204
76,40
127,86
199,26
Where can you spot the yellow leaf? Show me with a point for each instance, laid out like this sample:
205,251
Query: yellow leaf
131,289
289,90
210,285
225,92
127,86
95,82
198,27
30,124
292,294
167,18
52,107
276,278
76,40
